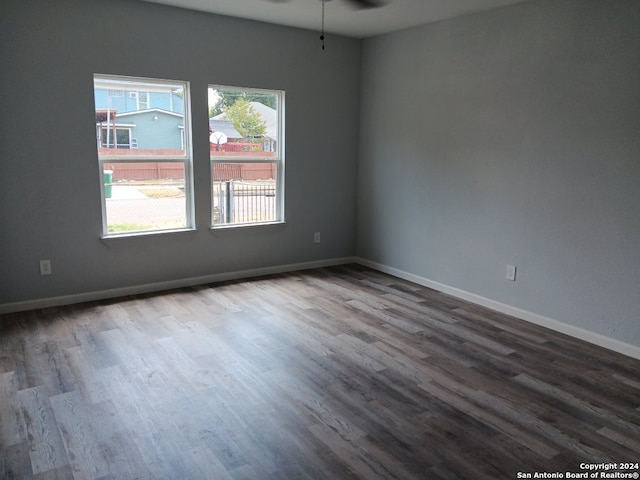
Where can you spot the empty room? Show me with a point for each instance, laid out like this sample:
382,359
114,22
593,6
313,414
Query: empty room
319,239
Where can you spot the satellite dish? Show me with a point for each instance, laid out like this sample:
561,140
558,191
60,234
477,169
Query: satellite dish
218,138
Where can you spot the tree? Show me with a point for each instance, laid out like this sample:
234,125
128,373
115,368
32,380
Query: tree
245,119
226,98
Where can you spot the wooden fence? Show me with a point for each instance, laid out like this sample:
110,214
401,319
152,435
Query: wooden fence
174,171
141,171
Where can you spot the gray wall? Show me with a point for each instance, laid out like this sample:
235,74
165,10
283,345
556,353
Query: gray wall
49,176
511,136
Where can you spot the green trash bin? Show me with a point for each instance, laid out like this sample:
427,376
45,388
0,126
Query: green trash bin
108,182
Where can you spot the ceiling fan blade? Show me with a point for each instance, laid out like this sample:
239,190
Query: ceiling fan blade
359,4
366,3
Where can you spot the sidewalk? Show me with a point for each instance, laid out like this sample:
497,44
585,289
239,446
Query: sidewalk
125,192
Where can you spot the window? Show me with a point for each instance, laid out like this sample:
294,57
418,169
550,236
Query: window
143,100
246,130
144,156
122,137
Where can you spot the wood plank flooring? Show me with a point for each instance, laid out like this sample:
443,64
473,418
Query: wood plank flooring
336,373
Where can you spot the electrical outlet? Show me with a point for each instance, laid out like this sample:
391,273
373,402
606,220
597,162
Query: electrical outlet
45,267
511,273
316,237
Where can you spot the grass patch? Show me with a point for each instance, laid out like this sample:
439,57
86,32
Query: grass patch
128,227
143,227
167,192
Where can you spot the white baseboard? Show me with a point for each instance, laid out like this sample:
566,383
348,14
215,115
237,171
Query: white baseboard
586,335
168,285
577,332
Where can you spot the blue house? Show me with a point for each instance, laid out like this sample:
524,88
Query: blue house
142,115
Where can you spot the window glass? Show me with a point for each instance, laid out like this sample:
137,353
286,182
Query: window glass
144,155
247,157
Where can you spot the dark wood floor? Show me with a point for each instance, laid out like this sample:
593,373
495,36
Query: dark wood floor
335,373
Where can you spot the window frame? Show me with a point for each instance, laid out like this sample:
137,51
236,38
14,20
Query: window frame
278,160
186,158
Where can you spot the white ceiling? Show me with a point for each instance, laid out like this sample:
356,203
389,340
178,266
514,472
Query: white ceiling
340,17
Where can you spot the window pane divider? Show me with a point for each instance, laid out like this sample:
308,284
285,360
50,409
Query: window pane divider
233,159
141,158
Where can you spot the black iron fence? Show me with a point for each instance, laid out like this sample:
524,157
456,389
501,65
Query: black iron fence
235,201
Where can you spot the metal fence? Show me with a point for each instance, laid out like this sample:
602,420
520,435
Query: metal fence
236,201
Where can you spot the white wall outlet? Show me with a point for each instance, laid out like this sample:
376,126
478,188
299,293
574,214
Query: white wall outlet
511,273
316,237
45,267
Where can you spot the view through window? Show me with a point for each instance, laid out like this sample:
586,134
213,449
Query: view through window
142,138
247,155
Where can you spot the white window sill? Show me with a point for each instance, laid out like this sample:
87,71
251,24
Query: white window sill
233,226
113,236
